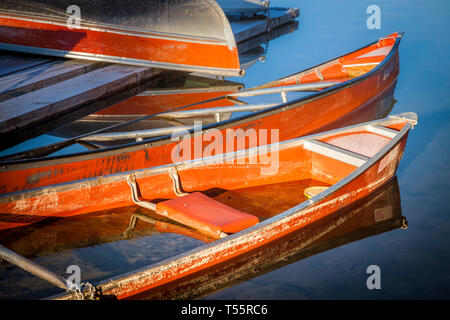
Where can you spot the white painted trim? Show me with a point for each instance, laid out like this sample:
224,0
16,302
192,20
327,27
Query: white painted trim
334,152
382,131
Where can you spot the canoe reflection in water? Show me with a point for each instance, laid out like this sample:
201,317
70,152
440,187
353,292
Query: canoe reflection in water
61,242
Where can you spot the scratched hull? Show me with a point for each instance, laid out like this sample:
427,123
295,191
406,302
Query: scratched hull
349,176
293,119
192,35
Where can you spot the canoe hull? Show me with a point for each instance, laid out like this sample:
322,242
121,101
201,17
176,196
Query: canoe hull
118,35
172,54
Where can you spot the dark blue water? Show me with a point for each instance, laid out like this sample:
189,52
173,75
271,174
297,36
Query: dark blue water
414,263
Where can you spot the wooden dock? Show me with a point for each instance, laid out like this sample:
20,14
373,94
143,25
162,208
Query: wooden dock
56,86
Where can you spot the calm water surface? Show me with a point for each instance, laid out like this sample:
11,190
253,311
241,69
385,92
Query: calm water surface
414,263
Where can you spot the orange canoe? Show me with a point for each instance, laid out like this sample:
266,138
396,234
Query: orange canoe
378,213
192,35
351,163
341,87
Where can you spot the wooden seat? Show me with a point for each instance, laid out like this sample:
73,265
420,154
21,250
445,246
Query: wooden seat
205,214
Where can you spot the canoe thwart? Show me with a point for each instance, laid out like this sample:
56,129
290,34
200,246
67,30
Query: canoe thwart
335,152
220,113
382,131
138,135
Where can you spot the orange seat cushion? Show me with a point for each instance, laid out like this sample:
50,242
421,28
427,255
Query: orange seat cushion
205,214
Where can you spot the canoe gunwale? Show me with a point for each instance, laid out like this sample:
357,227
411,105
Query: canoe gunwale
162,140
246,235
112,59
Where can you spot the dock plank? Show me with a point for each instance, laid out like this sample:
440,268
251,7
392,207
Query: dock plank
10,63
247,28
41,76
261,39
51,101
